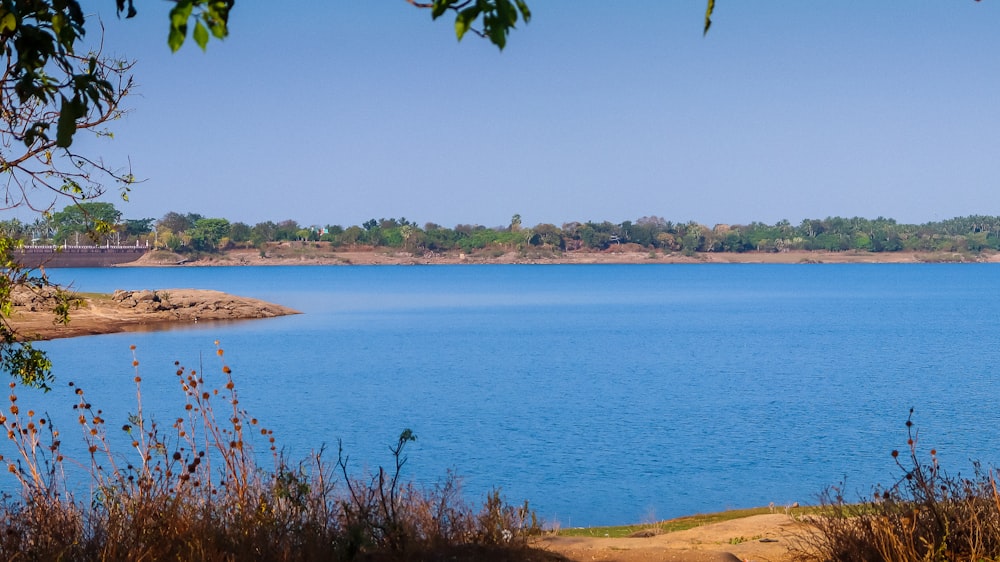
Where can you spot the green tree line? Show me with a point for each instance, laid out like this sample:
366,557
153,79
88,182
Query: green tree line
192,232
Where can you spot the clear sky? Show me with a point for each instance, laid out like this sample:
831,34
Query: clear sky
334,112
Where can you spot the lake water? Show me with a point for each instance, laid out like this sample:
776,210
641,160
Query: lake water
603,394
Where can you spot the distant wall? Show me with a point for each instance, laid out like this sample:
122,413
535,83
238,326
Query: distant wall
78,256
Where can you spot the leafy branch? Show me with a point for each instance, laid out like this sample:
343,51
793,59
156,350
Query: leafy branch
490,19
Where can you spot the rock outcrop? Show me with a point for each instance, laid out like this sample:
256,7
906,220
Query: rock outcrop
33,318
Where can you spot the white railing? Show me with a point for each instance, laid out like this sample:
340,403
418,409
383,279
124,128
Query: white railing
83,248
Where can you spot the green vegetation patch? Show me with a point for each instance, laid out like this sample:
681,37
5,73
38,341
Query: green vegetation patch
668,526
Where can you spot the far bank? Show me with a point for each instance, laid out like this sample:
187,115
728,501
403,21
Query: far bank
321,253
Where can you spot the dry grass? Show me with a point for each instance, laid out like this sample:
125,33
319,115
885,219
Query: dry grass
196,490
926,515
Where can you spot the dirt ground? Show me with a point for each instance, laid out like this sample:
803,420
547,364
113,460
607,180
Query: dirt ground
763,538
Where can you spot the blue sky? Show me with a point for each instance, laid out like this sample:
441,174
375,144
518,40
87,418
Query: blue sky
333,112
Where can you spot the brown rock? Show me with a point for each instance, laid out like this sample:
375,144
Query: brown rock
129,310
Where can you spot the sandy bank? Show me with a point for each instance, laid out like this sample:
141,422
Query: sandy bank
772,537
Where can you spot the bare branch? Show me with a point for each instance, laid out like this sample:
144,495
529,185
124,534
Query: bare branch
29,154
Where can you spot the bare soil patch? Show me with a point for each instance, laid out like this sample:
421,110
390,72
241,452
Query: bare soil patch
769,537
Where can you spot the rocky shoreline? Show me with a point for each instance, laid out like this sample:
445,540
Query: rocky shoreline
33,316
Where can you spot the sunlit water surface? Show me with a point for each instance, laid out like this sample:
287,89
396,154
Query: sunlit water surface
602,394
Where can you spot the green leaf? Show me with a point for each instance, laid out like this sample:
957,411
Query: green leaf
180,13
464,19
30,365
218,28
179,16
36,132
69,112
200,35
440,7
708,16
506,13
496,30
175,39
499,38
216,16
525,12
76,14
8,23
57,23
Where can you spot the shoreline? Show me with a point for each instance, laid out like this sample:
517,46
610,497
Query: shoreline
33,316
309,253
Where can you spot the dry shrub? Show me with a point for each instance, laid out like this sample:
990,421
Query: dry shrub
926,515
196,491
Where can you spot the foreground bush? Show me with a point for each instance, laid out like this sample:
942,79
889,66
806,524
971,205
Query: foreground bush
196,491
926,515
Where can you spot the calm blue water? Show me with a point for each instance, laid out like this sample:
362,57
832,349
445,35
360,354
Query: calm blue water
603,394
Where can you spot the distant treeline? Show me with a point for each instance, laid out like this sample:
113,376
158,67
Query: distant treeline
193,232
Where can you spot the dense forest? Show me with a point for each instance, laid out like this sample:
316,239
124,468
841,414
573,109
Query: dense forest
102,223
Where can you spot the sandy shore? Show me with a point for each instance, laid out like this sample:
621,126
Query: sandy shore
769,537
